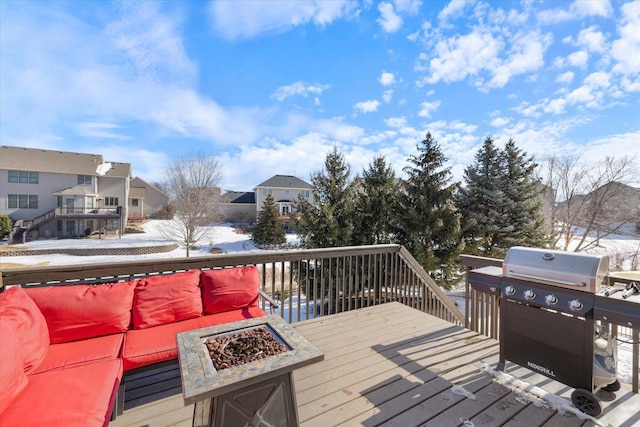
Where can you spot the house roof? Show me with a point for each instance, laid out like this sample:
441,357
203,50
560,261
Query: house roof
284,181
138,184
244,197
75,191
52,161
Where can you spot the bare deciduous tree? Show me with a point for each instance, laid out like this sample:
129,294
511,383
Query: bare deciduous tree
591,199
193,186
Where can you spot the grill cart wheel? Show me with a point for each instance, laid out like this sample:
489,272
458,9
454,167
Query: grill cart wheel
586,402
614,386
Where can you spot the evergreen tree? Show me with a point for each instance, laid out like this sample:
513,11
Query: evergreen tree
501,202
375,204
268,230
523,200
329,221
481,201
428,224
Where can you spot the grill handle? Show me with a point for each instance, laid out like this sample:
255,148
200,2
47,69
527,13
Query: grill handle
543,279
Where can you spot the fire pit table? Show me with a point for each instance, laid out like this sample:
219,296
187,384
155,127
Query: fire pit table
241,373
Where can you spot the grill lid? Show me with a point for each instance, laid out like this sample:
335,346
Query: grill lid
558,268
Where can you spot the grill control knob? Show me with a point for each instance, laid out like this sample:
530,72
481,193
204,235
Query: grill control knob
551,299
575,305
509,290
529,294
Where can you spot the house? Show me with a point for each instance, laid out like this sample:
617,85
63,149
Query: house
243,207
285,190
145,200
65,194
238,207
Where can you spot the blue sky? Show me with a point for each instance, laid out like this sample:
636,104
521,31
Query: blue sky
270,86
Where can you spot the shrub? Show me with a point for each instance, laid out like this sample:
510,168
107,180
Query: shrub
5,226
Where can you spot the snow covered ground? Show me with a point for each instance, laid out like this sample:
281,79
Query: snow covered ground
223,237
620,248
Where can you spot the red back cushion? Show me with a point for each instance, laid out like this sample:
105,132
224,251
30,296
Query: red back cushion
78,312
166,299
230,288
29,324
12,377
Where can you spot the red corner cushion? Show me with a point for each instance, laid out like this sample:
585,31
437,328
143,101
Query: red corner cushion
74,397
12,377
29,324
76,353
77,312
165,299
144,347
230,288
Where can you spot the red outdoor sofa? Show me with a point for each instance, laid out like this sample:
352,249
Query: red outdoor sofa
65,350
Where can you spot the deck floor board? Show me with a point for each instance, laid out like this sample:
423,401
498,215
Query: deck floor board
395,366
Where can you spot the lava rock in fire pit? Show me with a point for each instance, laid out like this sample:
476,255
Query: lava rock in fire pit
244,347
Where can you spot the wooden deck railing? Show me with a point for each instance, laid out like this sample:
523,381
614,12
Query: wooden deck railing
307,282
483,316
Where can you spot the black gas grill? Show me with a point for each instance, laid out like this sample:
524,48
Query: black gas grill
547,324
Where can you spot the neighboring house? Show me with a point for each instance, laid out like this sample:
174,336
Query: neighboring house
238,207
285,190
145,201
616,203
244,207
64,194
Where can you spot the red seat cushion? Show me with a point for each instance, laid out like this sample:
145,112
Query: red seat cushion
76,353
166,299
12,377
29,324
230,288
82,396
144,347
77,312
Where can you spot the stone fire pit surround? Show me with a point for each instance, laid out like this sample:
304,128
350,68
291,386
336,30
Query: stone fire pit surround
202,381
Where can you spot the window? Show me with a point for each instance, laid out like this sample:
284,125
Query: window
111,201
22,201
134,202
267,191
305,194
23,177
84,179
59,204
286,192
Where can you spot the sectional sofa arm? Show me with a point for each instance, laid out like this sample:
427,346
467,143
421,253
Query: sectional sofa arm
271,301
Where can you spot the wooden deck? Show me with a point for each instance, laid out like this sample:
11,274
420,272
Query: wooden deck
396,366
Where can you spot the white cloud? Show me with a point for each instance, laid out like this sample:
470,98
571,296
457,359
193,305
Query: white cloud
367,106
482,53
185,112
565,78
577,10
426,108
389,20
460,56
257,17
387,95
396,122
555,106
299,89
100,130
526,55
626,49
386,79
592,39
454,9
578,59
408,6
499,121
